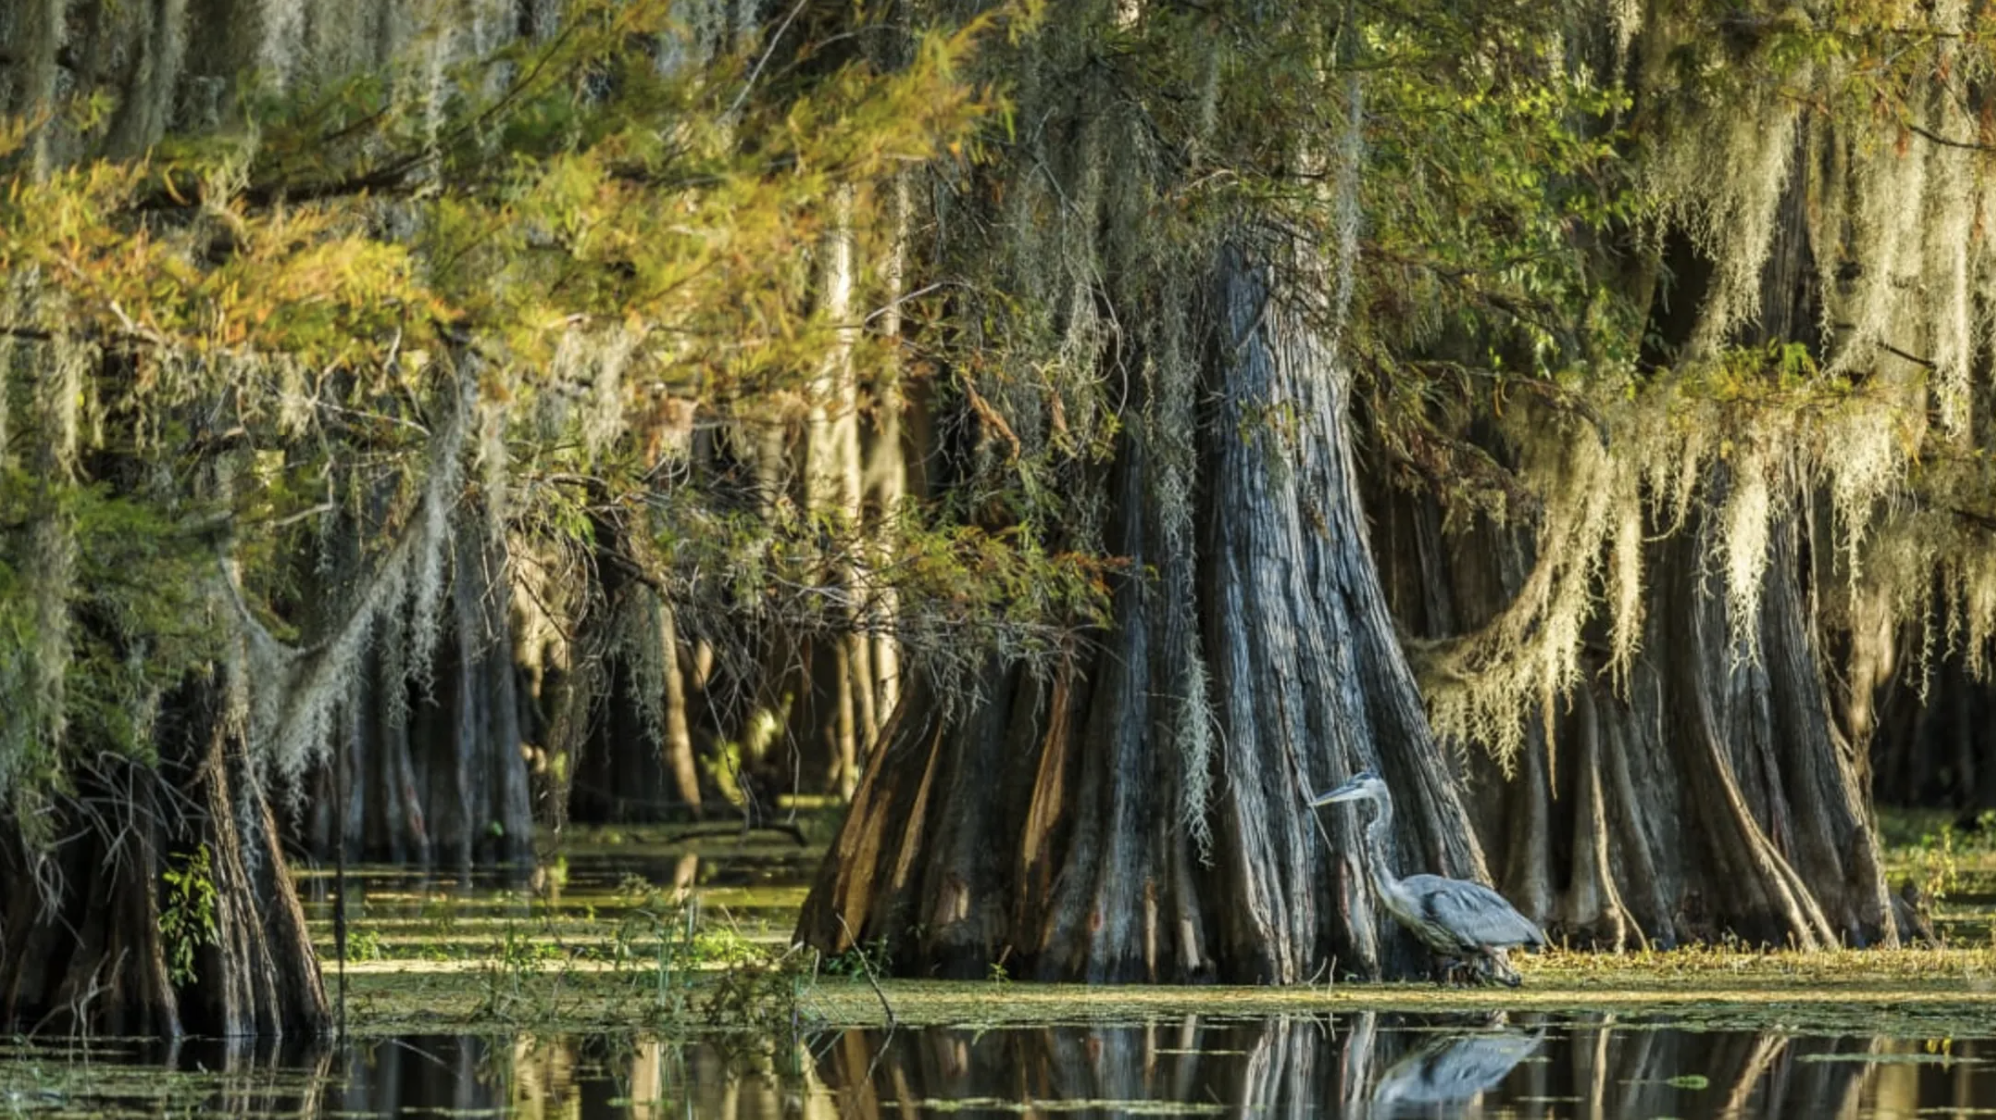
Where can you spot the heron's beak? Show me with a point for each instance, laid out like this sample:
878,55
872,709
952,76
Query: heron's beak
1346,792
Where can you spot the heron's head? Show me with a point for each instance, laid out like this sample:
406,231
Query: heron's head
1363,784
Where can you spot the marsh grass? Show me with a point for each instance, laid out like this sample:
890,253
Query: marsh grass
1923,993
639,957
614,950
664,978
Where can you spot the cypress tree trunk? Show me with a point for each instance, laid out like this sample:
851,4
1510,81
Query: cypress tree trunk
1304,651
84,928
1135,809
1715,794
1046,825
1772,842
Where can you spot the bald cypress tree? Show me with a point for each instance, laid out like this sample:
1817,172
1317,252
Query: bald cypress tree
333,334
1586,343
1168,382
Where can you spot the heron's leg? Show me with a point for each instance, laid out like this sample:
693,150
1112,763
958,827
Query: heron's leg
1448,971
1473,971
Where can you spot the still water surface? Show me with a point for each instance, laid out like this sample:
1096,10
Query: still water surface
1376,1064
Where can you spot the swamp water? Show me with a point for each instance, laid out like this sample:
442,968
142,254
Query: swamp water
428,952
1378,1064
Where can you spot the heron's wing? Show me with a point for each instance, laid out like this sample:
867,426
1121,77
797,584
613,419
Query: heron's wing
1474,913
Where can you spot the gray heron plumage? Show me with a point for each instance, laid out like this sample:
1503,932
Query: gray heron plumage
1455,918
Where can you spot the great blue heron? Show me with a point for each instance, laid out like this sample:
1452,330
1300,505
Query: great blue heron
1455,918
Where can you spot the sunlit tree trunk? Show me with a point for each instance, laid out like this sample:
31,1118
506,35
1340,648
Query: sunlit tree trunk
1711,793
1044,827
842,681
885,476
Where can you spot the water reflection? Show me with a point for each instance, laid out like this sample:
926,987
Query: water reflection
1361,1065
1449,1068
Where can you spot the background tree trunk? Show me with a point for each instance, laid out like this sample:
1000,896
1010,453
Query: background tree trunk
433,766
636,760
1940,752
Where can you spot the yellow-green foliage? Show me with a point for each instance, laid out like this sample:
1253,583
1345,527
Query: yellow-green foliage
538,252
1719,127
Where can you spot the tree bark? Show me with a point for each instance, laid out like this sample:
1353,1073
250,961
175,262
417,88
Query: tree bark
1045,826
1310,679
82,945
1714,796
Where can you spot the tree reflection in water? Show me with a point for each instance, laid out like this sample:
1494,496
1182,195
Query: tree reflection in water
1394,1065
1384,1065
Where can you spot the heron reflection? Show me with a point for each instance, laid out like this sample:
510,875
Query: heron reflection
1453,1068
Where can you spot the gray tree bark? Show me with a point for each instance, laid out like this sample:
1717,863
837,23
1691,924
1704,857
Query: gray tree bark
1045,826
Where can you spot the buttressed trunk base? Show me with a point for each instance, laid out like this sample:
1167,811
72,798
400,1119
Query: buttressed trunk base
1045,827
95,939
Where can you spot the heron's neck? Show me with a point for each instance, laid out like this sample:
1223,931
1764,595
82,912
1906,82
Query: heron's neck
1378,841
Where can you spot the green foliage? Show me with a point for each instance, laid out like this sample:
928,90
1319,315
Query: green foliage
507,974
364,944
1940,859
758,996
1495,168
187,916
876,957
667,925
